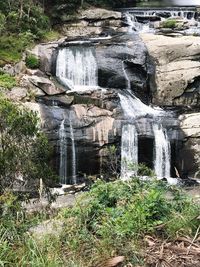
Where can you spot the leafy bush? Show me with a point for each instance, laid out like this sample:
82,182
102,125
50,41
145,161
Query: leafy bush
113,218
32,62
7,81
12,47
24,151
170,23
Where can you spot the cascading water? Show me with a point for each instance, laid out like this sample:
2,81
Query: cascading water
76,67
74,181
162,158
134,25
133,109
63,153
129,151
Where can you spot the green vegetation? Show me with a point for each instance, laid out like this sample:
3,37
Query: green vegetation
22,23
24,150
7,81
111,219
169,23
32,62
51,36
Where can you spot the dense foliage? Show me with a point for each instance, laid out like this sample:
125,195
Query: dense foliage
24,150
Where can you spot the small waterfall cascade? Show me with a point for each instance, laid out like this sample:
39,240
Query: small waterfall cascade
63,153
76,67
133,18
172,12
129,151
162,157
134,25
133,107
74,181
128,82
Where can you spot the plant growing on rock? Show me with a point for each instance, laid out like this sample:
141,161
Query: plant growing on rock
32,62
7,81
170,23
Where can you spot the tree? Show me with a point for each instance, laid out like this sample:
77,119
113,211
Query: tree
24,150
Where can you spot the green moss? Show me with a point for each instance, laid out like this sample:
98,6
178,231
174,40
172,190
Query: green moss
170,23
7,81
32,62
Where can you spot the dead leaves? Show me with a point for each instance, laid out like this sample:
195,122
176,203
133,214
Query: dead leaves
183,252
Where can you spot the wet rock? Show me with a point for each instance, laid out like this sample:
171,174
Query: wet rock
120,57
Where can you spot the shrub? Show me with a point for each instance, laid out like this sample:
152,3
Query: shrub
170,23
7,81
24,151
113,218
12,47
32,62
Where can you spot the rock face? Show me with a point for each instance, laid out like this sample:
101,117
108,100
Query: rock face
123,60
89,22
190,149
46,85
177,69
92,119
177,84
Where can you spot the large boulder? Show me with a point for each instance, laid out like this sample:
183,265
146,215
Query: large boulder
123,62
177,69
46,85
189,151
44,52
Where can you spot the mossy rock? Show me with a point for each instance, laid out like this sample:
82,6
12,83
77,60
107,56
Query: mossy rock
170,23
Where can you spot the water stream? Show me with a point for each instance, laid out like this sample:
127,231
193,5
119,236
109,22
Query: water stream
162,154
129,151
63,153
74,181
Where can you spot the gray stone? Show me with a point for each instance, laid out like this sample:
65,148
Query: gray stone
17,93
46,85
177,69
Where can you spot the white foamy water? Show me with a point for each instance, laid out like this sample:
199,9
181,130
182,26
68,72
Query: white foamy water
129,151
76,67
162,153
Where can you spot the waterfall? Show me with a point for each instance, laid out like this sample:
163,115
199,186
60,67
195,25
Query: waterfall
73,153
128,86
129,151
162,158
76,67
133,107
63,153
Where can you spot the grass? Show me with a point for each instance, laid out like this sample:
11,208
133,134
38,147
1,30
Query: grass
12,47
111,219
7,81
51,36
32,62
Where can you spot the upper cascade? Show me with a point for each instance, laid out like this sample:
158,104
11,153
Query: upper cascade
76,67
150,20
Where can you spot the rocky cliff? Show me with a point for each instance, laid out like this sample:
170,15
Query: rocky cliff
154,67
177,84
